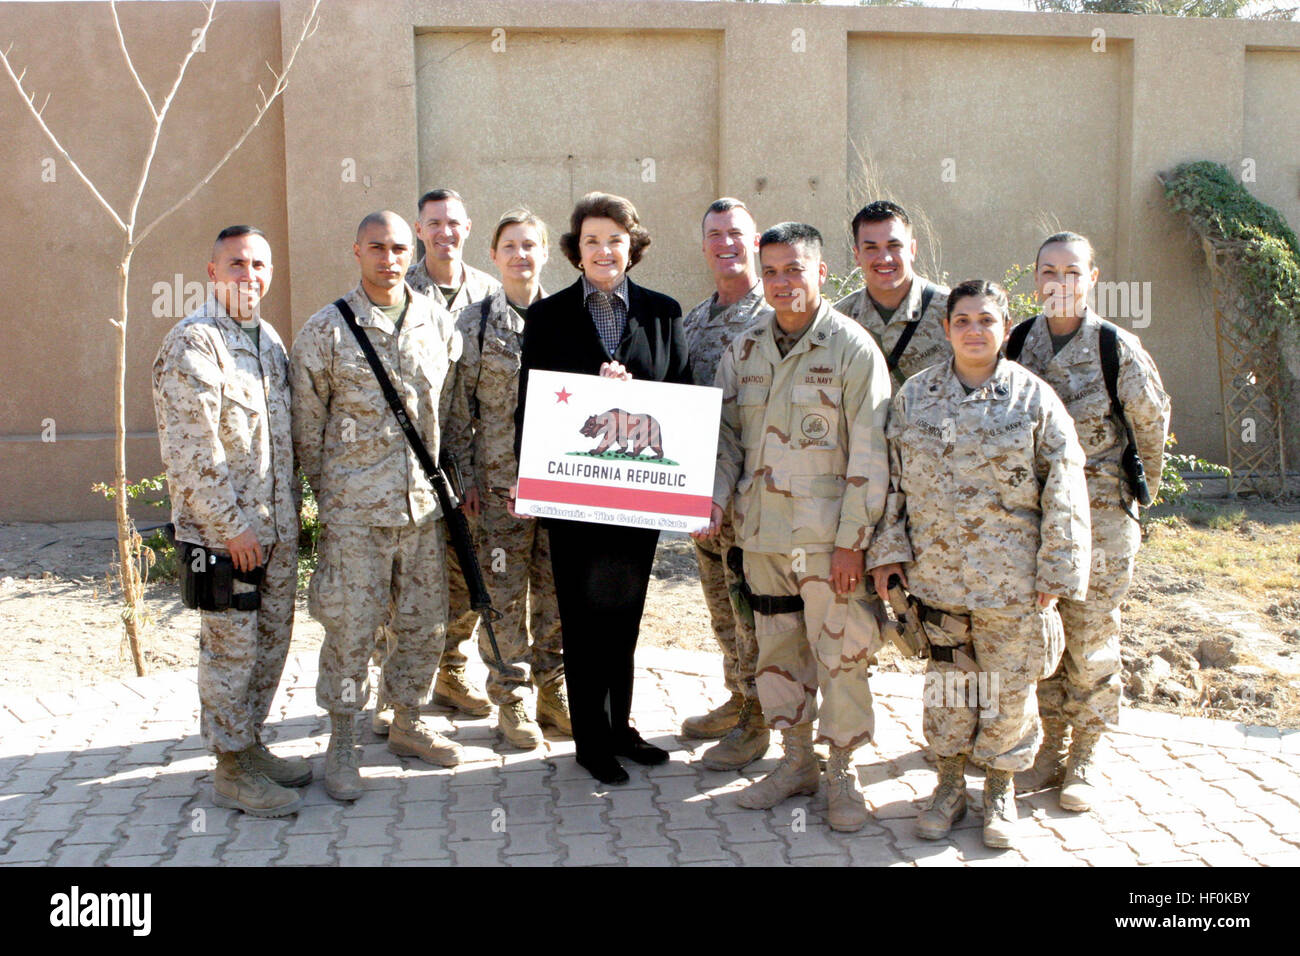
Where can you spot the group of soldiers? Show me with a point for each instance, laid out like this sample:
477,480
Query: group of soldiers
238,415
813,498
996,496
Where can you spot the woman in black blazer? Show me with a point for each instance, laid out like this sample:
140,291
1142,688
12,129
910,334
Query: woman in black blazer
603,324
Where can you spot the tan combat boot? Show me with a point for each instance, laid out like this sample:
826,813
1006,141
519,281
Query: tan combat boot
999,810
744,743
716,722
796,773
453,689
948,802
1078,793
342,765
517,727
1049,765
382,719
553,707
410,737
285,771
846,807
239,785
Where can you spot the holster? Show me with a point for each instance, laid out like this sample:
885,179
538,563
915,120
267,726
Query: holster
760,603
208,580
923,631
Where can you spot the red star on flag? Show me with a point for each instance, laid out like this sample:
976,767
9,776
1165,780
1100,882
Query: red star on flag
562,396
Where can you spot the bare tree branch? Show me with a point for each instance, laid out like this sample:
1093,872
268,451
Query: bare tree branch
310,22
30,100
134,616
160,117
121,42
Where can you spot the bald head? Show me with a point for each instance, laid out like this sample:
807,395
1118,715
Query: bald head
387,220
383,250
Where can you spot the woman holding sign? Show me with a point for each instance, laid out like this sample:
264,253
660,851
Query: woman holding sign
987,524
603,324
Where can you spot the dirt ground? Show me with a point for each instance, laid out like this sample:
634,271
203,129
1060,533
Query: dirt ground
1211,626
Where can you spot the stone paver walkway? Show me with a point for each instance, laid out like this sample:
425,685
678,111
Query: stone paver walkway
115,774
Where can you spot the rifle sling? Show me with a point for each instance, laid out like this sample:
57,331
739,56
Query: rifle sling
394,400
896,356
457,524
1108,345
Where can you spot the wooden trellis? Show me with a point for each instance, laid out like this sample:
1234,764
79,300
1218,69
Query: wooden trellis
1250,381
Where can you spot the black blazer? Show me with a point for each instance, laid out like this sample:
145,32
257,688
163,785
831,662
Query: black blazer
560,336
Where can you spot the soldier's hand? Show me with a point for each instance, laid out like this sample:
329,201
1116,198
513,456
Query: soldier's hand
244,550
472,503
880,577
615,370
846,569
510,500
715,524
1046,600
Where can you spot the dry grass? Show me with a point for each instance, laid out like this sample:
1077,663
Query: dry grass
1256,552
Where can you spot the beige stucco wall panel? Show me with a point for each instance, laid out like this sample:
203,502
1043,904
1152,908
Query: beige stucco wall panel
51,482
349,138
784,108
1036,128
1187,89
1271,140
1271,137
550,118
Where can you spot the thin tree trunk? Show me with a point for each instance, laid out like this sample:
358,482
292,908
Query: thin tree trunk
128,548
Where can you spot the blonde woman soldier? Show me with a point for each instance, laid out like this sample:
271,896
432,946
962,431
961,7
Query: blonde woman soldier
514,551
1071,348
987,524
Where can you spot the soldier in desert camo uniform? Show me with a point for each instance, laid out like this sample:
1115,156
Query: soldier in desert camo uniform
731,250
221,395
443,225
902,310
1063,346
381,550
802,459
514,551
987,524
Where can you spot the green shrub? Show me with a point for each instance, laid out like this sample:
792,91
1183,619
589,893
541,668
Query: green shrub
159,561
160,558
1265,250
1174,488
308,534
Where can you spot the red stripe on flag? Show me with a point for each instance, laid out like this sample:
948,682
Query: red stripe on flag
604,496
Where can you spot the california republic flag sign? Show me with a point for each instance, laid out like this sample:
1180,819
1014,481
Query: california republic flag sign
636,453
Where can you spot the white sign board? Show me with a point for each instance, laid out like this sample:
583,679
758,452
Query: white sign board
640,454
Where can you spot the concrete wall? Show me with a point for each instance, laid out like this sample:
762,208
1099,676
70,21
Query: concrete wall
994,126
